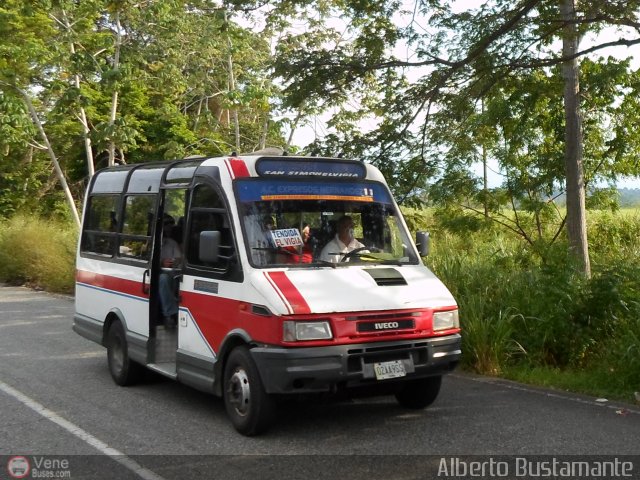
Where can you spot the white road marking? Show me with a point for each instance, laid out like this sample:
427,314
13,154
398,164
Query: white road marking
18,324
83,435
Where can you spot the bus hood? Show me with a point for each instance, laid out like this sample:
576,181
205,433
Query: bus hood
351,289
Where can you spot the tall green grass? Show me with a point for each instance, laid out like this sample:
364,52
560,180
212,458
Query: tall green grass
528,314
39,253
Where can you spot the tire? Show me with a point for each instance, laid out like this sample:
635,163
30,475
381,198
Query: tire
123,370
250,409
419,394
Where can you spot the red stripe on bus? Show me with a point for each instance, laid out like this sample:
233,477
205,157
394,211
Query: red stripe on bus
291,293
277,289
109,282
239,168
236,168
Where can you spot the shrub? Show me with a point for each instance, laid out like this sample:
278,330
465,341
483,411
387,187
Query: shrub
610,234
488,341
554,314
39,253
619,357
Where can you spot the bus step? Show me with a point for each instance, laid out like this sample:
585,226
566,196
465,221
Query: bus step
166,345
167,369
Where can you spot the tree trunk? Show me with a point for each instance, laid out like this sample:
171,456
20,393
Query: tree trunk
576,211
83,115
52,156
265,131
232,86
294,126
485,176
114,98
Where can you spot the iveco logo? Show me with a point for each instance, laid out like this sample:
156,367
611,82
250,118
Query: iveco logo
365,327
386,325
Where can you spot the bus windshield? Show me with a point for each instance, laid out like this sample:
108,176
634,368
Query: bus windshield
297,223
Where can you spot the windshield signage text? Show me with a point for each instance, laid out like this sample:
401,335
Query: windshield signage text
307,173
286,237
310,168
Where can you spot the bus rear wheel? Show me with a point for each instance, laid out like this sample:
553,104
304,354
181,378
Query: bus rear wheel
123,370
418,394
250,409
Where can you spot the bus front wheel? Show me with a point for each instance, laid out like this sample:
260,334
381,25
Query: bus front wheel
249,407
123,370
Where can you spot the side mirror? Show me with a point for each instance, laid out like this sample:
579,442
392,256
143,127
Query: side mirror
209,246
422,242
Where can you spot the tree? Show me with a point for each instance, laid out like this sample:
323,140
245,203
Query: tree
576,214
451,64
24,60
75,22
117,80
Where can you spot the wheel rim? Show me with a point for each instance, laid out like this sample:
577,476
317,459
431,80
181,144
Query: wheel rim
117,355
239,392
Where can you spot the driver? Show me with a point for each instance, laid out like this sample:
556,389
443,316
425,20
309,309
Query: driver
343,243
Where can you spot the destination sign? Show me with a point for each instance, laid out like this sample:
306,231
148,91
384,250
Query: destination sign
274,189
303,167
286,237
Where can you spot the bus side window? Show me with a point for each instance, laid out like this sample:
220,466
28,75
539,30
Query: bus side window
208,213
135,240
101,225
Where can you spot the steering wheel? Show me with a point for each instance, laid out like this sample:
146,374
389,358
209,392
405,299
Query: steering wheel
353,253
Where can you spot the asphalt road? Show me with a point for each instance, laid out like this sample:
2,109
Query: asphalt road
58,401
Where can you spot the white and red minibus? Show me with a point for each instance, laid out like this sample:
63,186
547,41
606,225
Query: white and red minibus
261,311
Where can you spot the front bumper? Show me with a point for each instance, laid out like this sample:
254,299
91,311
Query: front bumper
324,369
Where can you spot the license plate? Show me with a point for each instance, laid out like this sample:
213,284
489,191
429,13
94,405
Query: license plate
392,369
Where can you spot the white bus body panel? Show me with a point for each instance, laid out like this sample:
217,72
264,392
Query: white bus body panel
352,289
96,302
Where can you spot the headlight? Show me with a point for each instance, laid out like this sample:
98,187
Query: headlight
445,320
296,331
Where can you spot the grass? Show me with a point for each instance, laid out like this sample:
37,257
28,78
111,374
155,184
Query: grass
530,316
489,342
39,253
590,382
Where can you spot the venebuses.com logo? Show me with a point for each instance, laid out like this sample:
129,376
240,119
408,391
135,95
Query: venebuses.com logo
18,467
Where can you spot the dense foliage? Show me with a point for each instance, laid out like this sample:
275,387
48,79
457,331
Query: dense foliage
154,79
445,87
521,311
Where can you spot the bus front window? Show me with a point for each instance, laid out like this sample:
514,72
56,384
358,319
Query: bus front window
289,223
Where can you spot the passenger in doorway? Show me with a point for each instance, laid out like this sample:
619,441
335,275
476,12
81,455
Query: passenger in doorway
343,243
170,258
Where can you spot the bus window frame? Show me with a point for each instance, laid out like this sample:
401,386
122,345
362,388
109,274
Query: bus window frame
234,271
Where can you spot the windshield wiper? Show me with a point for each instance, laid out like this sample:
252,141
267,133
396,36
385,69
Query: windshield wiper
395,261
325,262
281,250
378,256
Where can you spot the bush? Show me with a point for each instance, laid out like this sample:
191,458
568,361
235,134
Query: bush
488,341
39,253
529,307
610,234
